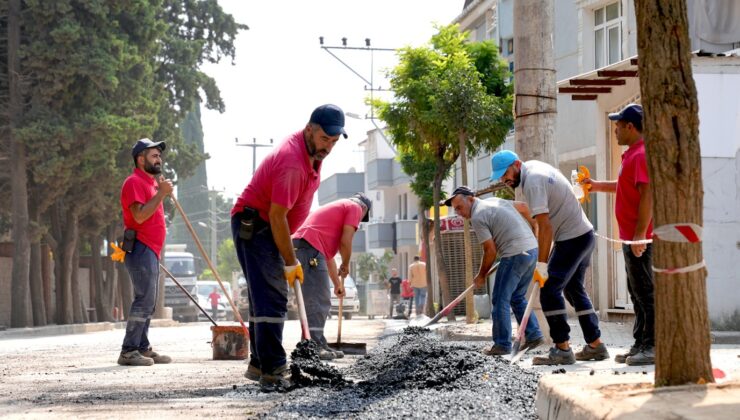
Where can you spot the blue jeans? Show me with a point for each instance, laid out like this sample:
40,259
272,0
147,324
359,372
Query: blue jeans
315,287
420,298
513,277
566,269
268,295
143,268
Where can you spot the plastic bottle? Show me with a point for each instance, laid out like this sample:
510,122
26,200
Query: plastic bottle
577,188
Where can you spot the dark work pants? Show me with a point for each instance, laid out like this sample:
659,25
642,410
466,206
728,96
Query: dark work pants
268,295
143,268
566,269
315,288
642,291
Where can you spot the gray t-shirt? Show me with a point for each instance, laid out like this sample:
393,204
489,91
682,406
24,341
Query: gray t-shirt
497,219
546,190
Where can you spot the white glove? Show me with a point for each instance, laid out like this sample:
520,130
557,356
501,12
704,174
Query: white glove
542,270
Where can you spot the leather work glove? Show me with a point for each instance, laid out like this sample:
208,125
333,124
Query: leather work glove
540,273
583,174
293,272
118,254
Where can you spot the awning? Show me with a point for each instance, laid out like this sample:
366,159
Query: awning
588,86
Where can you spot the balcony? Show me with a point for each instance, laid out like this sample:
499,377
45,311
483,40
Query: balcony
340,186
380,235
406,233
399,176
379,173
358,241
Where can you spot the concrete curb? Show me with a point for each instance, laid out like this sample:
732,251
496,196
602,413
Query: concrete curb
50,330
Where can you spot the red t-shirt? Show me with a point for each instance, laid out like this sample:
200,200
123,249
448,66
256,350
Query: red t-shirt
285,177
632,173
406,290
140,187
323,227
214,297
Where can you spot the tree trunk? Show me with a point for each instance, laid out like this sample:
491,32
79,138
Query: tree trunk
66,234
427,259
37,285
671,127
78,304
467,246
20,313
441,266
46,278
102,281
535,104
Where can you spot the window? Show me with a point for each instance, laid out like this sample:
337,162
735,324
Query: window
607,35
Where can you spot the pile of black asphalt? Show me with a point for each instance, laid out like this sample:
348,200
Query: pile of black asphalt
412,374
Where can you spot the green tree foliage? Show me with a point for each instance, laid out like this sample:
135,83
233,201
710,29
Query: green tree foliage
446,91
227,261
369,264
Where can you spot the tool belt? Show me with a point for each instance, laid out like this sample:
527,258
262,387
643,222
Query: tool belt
250,223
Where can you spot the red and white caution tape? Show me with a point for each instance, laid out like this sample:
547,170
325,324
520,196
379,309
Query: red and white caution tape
679,232
681,270
620,241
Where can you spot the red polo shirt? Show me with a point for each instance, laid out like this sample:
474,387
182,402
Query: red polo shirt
324,227
285,177
139,187
632,173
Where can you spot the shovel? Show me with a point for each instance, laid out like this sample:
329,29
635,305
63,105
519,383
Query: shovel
187,293
301,310
424,321
520,336
347,348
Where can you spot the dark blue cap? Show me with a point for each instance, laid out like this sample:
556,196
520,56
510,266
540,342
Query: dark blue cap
144,144
330,118
632,113
459,190
366,202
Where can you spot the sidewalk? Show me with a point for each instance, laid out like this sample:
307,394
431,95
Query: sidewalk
49,330
608,390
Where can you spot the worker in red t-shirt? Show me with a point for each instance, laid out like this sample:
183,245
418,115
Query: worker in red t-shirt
214,297
634,209
142,194
407,294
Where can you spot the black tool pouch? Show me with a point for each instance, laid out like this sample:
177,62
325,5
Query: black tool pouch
129,237
246,228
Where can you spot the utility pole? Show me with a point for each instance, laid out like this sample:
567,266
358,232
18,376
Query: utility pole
214,244
254,147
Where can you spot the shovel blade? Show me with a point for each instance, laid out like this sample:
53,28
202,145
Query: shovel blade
349,348
420,321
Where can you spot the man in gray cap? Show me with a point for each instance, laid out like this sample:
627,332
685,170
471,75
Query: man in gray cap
327,230
503,228
143,217
634,211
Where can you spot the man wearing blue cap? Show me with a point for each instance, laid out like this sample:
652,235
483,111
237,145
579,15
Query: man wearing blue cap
327,231
561,220
634,210
274,205
142,194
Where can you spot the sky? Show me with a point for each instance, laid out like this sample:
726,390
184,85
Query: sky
281,74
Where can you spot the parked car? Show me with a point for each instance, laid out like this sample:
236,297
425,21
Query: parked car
351,304
241,298
203,289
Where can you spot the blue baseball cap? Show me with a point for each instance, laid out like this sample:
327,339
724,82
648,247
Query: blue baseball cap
330,118
144,144
500,162
632,113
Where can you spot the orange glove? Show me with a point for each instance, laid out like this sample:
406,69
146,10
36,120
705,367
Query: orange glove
293,272
584,173
540,273
118,254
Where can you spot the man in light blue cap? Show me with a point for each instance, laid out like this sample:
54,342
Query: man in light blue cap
561,220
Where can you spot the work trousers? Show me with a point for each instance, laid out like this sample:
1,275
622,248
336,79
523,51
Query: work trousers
395,298
268,294
513,277
642,291
143,268
566,269
316,289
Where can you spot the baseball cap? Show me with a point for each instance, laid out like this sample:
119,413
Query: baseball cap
367,202
459,190
144,144
330,118
632,113
500,162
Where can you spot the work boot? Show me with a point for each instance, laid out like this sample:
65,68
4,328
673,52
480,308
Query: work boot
253,373
158,358
496,350
338,354
531,344
593,353
134,358
326,354
622,358
646,356
278,380
556,357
